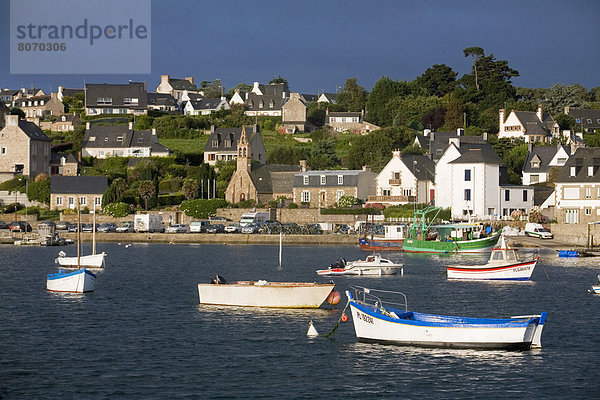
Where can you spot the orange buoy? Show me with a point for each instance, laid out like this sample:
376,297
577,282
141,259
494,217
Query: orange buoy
344,318
334,297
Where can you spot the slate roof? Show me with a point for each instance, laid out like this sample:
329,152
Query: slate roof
440,142
107,136
182,84
273,178
346,114
33,131
71,92
273,89
473,153
78,184
424,169
545,154
232,134
55,158
331,178
581,160
532,124
161,99
582,116
24,101
253,102
117,93
309,97
205,104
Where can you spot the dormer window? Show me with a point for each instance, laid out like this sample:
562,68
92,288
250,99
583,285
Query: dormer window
104,100
590,171
227,143
305,179
561,161
535,164
119,138
92,138
215,143
323,179
272,104
573,171
340,179
261,104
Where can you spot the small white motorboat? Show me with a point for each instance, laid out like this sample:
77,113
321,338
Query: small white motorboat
504,264
375,321
79,281
596,288
372,265
266,294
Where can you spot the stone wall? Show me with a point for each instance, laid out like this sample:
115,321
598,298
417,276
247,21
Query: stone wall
577,234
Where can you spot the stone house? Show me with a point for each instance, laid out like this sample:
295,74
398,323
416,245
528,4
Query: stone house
24,149
406,178
64,123
177,87
293,115
67,191
102,141
352,122
63,164
222,145
530,126
108,98
541,159
38,107
261,182
577,188
588,120
323,189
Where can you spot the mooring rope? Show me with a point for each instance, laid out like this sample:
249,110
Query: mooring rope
338,322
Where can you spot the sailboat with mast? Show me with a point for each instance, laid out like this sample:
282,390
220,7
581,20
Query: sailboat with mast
80,281
89,261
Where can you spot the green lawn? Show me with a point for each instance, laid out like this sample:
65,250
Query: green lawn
188,146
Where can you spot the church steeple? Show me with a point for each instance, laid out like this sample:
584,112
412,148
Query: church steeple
243,152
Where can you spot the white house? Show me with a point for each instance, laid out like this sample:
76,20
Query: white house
405,179
469,180
530,126
540,160
205,106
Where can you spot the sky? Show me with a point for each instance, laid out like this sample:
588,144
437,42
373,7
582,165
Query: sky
317,45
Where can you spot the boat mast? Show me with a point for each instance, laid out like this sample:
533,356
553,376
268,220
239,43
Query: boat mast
78,233
94,230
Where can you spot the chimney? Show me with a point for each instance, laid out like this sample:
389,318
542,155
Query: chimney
366,168
485,136
53,96
540,113
460,132
130,125
154,136
501,118
303,166
567,109
164,79
212,129
256,89
426,132
190,79
455,141
87,126
12,120
397,153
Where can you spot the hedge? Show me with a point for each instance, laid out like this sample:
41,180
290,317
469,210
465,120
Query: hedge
170,199
351,211
202,208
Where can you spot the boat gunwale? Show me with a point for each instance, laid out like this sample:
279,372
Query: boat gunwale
270,284
61,274
484,268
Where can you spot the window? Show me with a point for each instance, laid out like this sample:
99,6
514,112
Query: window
468,194
104,100
590,170
561,161
507,195
340,179
92,138
534,178
305,179
467,175
578,120
140,140
130,101
3,150
571,216
119,138
589,121
323,179
215,143
535,164
227,143
71,202
407,192
82,200
573,171
524,195
588,192
59,201
272,104
385,192
588,211
97,201
261,104
306,197
339,194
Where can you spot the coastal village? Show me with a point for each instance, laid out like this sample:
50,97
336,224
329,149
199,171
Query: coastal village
115,149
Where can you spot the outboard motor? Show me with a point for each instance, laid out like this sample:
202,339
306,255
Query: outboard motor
219,280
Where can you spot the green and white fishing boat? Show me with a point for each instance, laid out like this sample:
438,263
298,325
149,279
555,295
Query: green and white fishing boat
424,237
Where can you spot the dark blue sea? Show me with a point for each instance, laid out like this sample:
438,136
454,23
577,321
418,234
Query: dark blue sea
143,335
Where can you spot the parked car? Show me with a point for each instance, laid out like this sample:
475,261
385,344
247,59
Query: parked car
199,226
233,227
126,227
178,228
219,219
216,228
3,225
107,227
19,226
63,225
88,228
250,228
72,228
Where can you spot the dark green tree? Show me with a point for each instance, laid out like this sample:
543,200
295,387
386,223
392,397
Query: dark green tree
383,92
438,80
476,53
279,79
17,111
190,188
322,155
565,121
353,96
146,190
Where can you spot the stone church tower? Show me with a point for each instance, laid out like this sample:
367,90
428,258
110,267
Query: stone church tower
241,187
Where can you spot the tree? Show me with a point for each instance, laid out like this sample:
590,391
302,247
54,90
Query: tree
290,155
560,96
353,96
241,87
438,80
17,111
409,111
190,188
279,79
322,155
143,122
146,190
213,89
433,119
375,149
383,92
565,121
114,192
476,53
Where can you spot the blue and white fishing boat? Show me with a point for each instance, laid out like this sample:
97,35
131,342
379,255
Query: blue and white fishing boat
374,321
80,281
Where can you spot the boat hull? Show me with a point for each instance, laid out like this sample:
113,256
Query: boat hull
360,271
596,289
80,281
463,246
428,330
380,244
270,294
516,272
89,261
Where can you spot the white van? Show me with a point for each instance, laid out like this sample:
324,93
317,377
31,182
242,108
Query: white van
258,218
537,230
199,226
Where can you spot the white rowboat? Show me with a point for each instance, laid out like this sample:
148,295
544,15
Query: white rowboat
372,265
79,281
265,294
89,261
374,322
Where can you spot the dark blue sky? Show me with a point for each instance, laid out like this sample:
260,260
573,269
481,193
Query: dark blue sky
317,45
